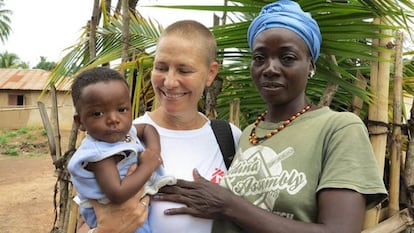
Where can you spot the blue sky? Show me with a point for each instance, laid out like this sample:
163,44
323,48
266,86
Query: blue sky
47,27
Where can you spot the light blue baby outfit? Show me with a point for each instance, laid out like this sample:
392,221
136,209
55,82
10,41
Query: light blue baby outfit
85,183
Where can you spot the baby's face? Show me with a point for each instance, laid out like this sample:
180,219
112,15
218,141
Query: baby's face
104,110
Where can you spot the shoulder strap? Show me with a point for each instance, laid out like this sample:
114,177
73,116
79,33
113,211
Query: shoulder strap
224,136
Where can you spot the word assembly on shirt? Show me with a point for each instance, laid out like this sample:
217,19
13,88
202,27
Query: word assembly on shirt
258,174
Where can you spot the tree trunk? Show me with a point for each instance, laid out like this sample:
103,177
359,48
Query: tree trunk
93,23
357,103
330,89
212,91
125,33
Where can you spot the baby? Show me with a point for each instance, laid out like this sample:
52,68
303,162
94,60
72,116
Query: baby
112,144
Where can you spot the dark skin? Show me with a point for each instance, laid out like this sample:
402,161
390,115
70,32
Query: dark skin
128,223
104,111
208,200
107,175
280,68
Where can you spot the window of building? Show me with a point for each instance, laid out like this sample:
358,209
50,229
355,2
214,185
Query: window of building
16,100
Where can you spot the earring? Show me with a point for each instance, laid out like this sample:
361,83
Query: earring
311,74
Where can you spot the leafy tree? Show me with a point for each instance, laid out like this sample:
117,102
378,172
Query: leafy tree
4,22
11,60
347,30
45,65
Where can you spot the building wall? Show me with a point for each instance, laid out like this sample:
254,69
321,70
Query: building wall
14,117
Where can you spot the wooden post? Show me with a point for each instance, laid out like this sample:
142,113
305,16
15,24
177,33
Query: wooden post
395,155
62,183
378,113
394,224
49,130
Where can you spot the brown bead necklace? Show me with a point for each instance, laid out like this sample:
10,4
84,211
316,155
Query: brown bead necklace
254,139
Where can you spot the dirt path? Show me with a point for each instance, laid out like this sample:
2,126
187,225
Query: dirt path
26,194
27,186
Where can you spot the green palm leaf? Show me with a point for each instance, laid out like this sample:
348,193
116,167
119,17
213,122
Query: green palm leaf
347,32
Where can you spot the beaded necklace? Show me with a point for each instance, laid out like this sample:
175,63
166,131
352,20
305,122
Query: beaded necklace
254,139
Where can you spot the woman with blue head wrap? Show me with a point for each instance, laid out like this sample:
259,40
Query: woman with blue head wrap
298,168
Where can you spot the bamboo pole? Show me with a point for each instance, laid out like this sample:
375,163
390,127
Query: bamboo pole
397,223
74,213
73,207
378,113
395,153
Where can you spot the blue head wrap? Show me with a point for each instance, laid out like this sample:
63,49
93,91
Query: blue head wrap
287,14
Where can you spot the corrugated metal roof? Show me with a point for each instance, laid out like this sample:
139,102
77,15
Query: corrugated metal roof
22,79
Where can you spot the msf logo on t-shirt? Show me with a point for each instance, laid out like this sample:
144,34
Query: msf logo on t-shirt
217,175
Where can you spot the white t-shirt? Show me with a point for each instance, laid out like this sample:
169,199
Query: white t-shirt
182,151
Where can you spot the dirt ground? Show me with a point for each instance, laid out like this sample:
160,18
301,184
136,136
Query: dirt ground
27,190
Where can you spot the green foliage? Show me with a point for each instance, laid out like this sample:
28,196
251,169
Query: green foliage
23,130
11,134
347,31
11,60
12,151
35,155
3,139
44,132
5,22
45,65
22,141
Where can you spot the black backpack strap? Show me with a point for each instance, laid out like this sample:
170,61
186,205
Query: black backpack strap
224,136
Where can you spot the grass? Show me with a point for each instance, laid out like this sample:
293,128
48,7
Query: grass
11,151
30,141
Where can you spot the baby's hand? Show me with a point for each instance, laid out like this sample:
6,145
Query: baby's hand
150,158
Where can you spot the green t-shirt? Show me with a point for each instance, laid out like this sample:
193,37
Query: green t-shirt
320,149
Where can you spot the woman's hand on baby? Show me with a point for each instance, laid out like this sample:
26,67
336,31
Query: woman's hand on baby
202,198
150,158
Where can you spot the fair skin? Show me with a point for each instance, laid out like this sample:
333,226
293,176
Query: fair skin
280,67
179,77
